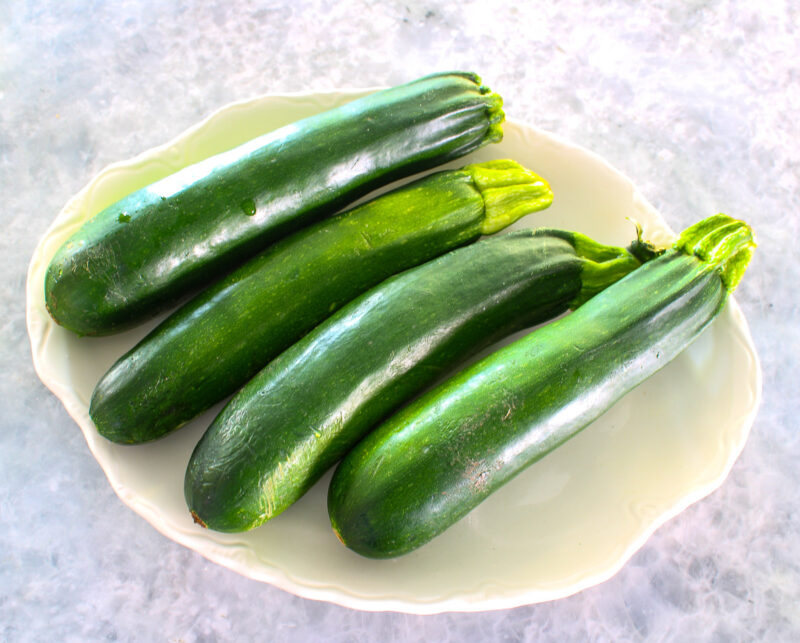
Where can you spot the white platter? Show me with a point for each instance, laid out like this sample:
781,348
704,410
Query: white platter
567,523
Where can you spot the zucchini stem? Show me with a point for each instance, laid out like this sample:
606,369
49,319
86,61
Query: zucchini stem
509,192
723,243
596,276
495,113
603,265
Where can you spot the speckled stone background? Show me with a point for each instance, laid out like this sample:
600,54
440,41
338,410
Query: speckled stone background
699,102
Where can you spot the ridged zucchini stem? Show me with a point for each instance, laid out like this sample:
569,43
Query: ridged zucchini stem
596,276
509,192
495,114
723,243
494,105
603,265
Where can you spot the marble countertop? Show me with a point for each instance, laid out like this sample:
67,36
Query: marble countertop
698,102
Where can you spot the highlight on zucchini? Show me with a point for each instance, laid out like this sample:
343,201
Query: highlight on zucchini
170,238
428,466
298,416
216,342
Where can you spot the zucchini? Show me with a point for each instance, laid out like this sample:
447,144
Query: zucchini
213,344
170,238
429,465
309,406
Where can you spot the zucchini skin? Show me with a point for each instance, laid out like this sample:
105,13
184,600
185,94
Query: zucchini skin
428,466
212,345
300,415
170,238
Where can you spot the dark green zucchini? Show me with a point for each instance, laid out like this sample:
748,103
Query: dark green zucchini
429,465
167,239
216,342
309,406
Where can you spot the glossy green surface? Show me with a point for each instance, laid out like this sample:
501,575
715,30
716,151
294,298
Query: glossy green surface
309,406
166,240
215,343
428,466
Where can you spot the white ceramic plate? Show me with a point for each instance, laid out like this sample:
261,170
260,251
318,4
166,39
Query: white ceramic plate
567,523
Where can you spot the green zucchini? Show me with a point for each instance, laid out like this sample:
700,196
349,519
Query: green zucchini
309,406
429,465
170,238
216,342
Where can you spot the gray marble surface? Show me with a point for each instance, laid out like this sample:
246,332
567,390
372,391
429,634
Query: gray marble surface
699,102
